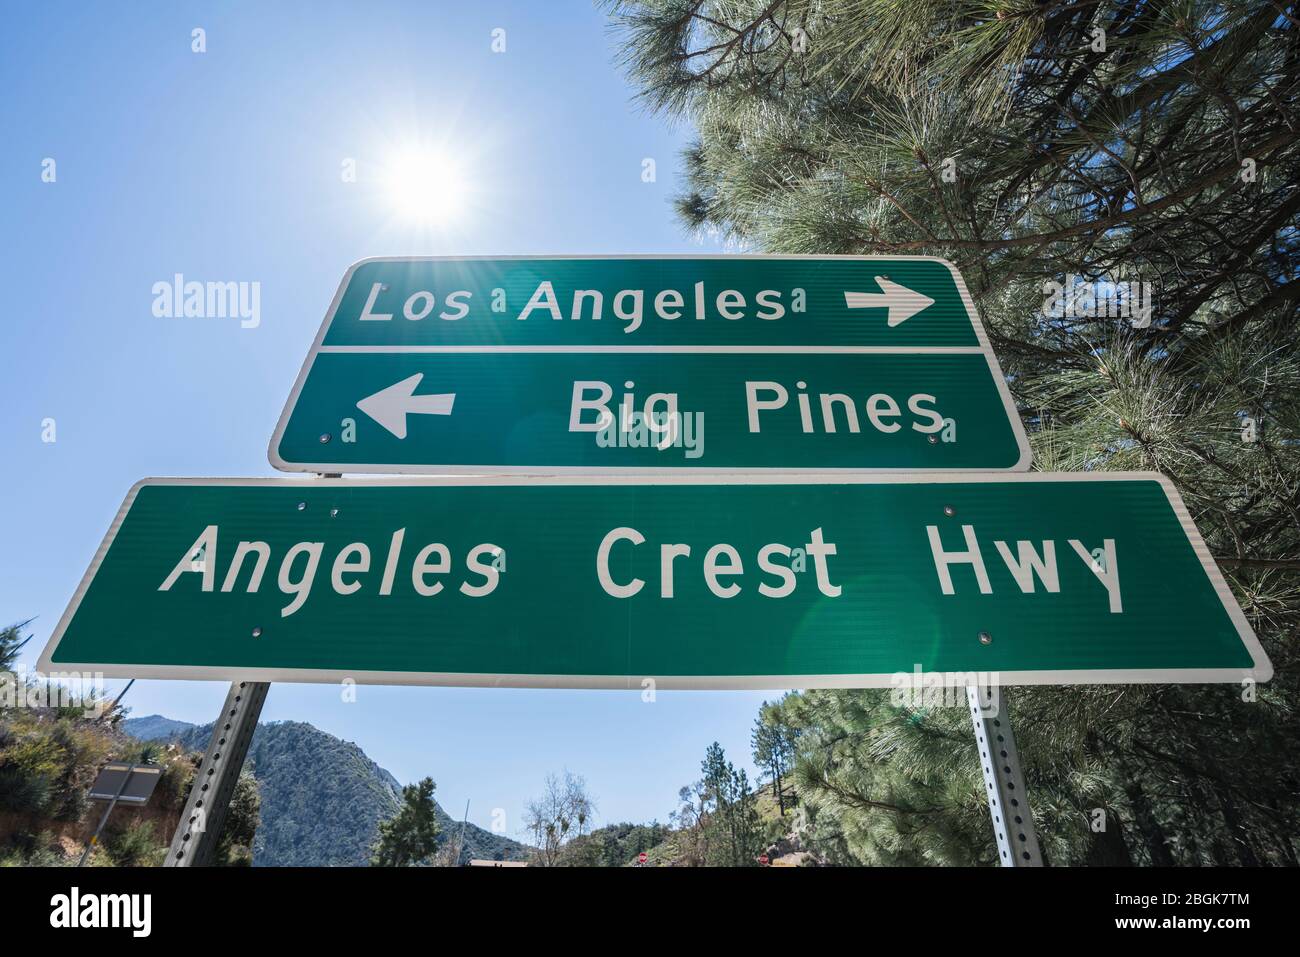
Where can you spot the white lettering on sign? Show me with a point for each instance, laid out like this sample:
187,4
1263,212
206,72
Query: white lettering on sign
668,304
1029,566
722,568
418,305
347,570
835,409
721,565
657,414
628,306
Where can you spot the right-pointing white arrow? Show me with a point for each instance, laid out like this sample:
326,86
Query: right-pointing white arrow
390,407
902,303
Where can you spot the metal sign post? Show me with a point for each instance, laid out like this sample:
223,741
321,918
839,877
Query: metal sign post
1004,780
216,776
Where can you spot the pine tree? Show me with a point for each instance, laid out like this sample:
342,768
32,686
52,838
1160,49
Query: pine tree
1053,151
774,743
12,642
235,848
732,821
410,836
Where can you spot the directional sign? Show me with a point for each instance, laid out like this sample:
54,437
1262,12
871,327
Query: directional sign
595,365
689,581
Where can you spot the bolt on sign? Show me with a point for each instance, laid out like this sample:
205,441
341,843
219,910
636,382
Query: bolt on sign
692,580
650,364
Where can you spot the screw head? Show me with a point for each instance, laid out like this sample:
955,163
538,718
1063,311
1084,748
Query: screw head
302,506
986,638
949,511
257,632
324,437
932,439
334,513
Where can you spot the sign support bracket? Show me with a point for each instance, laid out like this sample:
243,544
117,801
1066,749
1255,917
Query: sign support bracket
1003,777
216,776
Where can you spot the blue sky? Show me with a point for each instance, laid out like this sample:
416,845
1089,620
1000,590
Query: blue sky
226,166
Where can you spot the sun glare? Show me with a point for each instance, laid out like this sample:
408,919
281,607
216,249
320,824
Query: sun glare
425,186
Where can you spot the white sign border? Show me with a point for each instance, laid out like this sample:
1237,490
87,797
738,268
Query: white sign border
1022,464
1261,670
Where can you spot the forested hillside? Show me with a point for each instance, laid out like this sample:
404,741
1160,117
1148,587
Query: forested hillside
322,798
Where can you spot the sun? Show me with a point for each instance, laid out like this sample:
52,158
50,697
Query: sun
425,186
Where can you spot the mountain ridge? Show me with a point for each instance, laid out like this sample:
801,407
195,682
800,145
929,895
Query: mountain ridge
322,797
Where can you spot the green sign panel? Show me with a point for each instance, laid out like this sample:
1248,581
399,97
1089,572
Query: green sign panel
730,363
690,581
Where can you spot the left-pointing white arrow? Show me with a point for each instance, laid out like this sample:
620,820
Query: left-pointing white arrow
902,303
390,407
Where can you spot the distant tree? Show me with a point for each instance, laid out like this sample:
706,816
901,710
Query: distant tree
562,814
613,845
235,848
11,642
448,854
689,819
585,851
774,742
732,822
410,836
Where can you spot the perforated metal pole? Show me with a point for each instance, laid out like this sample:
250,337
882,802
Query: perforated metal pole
216,776
1004,782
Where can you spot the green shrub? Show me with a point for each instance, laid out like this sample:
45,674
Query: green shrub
136,845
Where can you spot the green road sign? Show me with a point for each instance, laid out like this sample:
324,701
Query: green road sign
693,581
594,365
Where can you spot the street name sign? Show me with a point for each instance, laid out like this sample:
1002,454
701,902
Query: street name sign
687,580
654,364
